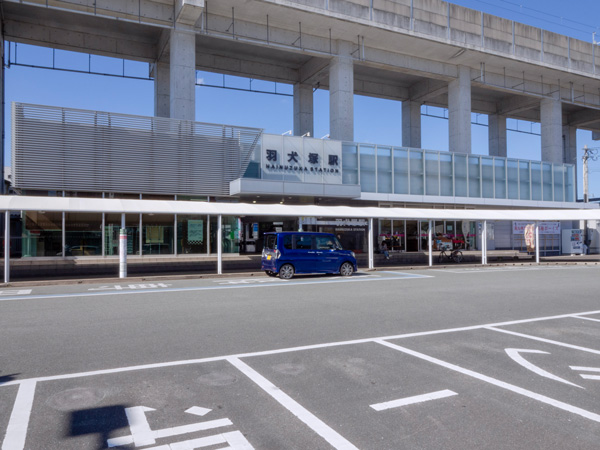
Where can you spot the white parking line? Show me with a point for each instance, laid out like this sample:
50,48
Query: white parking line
314,423
18,423
586,318
412,400
501,384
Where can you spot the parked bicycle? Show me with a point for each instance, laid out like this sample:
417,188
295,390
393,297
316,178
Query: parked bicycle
450,255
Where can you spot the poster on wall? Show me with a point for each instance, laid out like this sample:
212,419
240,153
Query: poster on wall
543,227
195,230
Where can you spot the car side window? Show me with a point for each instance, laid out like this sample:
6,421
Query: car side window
287,242
325,243
303,242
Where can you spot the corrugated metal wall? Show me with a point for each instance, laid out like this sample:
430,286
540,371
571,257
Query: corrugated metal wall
79,150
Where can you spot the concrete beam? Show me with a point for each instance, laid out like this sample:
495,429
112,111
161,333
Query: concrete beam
314,71
427,89
583,117
105,42
188,11
517,104
230,65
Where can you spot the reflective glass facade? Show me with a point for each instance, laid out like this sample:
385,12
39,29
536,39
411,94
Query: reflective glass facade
392,170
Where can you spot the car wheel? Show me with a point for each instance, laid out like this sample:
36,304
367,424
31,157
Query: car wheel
346,269
286,272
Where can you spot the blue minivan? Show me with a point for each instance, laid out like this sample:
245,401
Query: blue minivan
287,253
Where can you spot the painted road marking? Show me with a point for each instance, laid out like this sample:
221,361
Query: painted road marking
501,384
406,275
587,369
412,400
586,318
335,439
141,434
16,431
16,292
271,283
514,354
295,349
19,420
490,269
548,341
118,287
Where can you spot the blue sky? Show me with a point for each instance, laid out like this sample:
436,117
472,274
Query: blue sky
376,120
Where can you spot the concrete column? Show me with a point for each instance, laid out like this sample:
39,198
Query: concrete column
341,94
162,89
551,118
411,124
497,135
303,110
182,76
459,111
570,144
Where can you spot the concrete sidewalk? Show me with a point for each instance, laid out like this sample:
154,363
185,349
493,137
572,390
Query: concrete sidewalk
249,266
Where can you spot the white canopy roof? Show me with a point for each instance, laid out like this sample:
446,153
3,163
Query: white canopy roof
79,204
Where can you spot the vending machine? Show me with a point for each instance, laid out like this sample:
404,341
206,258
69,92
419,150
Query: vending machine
572,242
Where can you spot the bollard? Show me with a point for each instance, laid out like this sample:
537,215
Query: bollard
123,253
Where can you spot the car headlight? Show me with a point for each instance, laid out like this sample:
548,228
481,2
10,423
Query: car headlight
353,255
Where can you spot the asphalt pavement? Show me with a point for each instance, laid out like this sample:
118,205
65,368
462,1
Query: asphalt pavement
503,357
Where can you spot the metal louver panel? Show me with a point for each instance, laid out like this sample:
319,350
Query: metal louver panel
78,150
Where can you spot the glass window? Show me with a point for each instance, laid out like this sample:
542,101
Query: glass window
536,181
42,234
349,163
487,177
474,177
191,234
547,181
325,242
302,242
500,177
559,172
524,186
446,175
384,170
287,242
400,171
367,168
271,241
570,183
112,227
83,234
230,233
432,173
460,175
512,172
157,234
416,172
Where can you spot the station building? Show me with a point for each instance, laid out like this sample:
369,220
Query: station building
414,51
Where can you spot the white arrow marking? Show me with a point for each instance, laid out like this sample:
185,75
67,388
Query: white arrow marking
412,400
514,354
